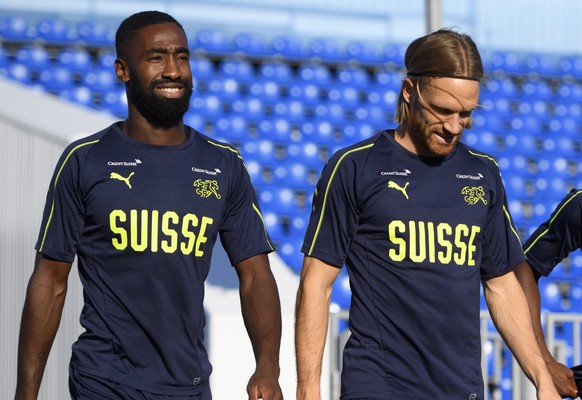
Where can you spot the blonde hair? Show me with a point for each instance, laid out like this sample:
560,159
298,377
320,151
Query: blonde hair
444,53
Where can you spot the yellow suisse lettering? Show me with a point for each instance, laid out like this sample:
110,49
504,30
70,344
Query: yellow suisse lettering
442,230
120,243
461,233
159,231
189,220
394,228
421,242
417,251
170,246
202,235
143,232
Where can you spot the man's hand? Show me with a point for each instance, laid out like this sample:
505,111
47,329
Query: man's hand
264,385
563,378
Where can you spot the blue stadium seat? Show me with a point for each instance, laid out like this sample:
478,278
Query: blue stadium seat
290,252
330,111
78,94
293,110
206,105
276,129
20,73
393,54
503,61
287,46
212,41
34,57
538,89
542,64
269,91
56,78
273,226
346,95
388,79
357,77
315,73
95,33
238,69
324,49
77,60
341,293
202,68
276,71
571,66
101,80
195,121
224,87
307,93
250,43
16,29
115,101
106,59
55,30
251,108
362,52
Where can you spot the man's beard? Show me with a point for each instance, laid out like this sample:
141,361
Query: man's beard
159,111
422,135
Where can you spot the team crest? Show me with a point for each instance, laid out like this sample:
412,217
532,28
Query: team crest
206,188
474,195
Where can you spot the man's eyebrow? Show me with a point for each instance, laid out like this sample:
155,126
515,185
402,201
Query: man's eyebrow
165,50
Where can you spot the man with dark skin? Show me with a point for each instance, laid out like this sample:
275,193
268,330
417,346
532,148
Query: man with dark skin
140,204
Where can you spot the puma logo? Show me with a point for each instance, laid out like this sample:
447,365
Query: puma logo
394,185
115,175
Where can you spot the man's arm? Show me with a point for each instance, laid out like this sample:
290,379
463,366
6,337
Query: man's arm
562,376
261,310
41,317
311,324
510,313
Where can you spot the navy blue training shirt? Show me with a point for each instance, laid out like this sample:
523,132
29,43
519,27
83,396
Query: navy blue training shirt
143,220
557,237
417,236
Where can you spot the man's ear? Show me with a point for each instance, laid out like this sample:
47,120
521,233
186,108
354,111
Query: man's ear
407,89
121,70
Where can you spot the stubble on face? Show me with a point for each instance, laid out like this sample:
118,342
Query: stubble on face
427,129
161,112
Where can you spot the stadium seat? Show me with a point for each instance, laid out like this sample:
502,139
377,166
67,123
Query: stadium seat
56,78
20,73
571,66
315,73
95,33
77,60
34,57
16,29
393,54
238,69
324,49
55,30
362,52
202,68
287,46
341,293
115,101
78,94
307,93
540,64
250,44
357,77
269,91
101,80
208,105
212,41
503,61
277,71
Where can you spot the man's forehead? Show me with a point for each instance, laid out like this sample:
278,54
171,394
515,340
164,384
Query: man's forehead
166,35
456,90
